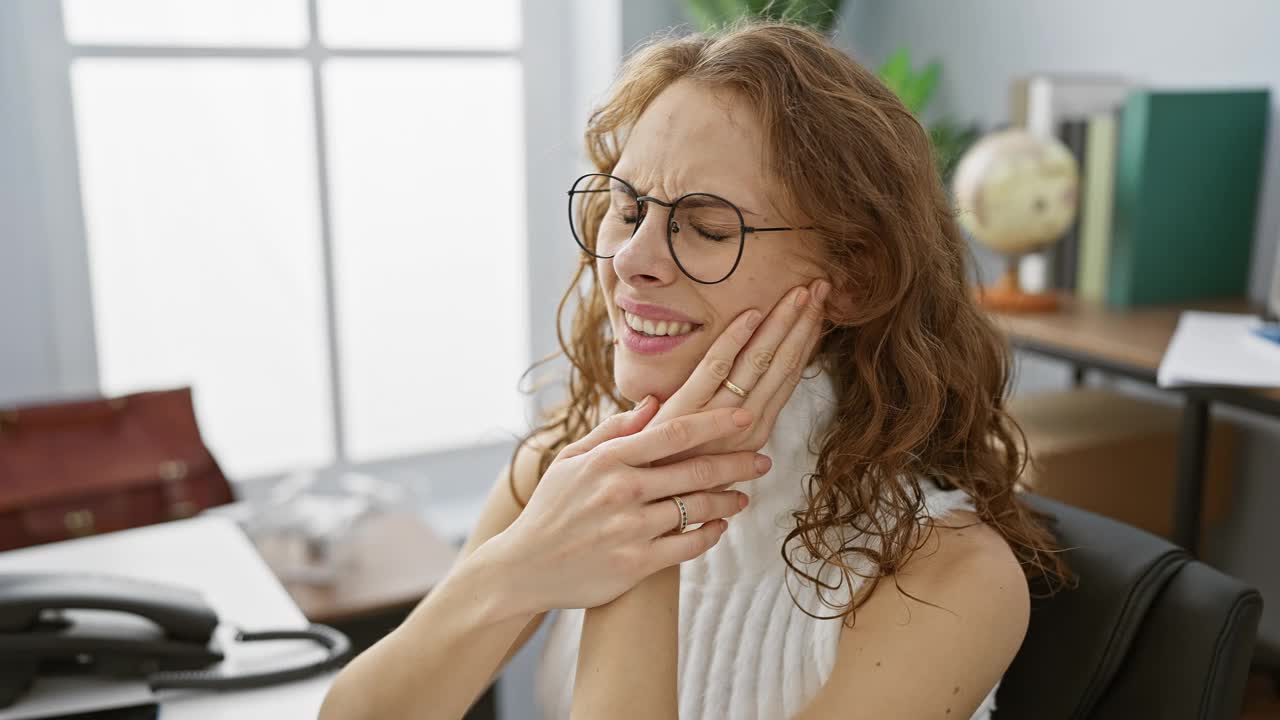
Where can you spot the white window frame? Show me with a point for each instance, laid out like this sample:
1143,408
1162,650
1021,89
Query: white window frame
566,62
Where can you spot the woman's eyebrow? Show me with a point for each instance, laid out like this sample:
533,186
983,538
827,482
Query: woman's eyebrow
697,201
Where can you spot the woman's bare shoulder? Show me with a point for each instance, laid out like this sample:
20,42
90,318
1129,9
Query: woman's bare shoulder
954,614
966,556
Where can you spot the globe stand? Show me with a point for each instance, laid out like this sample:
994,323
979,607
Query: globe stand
1007,295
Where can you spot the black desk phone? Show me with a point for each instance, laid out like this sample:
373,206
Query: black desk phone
63,623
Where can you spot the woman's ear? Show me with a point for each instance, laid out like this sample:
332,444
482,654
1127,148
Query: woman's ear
840,305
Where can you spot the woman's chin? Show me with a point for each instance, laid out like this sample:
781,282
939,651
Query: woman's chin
634,383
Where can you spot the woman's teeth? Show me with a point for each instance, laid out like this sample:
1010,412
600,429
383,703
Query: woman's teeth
662,327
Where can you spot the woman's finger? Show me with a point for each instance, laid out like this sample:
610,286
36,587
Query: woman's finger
703,472
776,403
790,359
665,439
614,426
671,550
714,366
663,516
757,356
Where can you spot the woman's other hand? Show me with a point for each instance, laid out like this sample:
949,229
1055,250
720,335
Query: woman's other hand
601,520
766,363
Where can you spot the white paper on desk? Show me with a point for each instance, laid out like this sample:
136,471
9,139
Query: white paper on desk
1219,349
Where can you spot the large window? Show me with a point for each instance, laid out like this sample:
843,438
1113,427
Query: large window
312,211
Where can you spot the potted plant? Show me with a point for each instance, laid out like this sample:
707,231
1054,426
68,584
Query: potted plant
915,88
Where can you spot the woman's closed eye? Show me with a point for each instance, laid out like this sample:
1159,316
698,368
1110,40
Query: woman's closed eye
627,214
713,234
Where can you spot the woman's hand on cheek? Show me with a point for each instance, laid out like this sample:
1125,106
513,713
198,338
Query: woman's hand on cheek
765,361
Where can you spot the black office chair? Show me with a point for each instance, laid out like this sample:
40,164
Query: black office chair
1149,632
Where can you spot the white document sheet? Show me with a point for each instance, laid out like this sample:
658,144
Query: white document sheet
1219,349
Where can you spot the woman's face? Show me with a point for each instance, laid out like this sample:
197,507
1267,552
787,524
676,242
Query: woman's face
692,139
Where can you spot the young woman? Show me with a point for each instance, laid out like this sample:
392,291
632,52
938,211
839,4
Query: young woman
771,270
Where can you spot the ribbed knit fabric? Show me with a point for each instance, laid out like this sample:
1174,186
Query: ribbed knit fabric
747,652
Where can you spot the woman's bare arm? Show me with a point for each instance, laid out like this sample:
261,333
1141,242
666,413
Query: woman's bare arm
628,653
584,538
456,641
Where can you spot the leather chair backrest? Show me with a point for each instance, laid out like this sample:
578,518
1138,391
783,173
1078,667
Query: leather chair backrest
1191,659
1104,647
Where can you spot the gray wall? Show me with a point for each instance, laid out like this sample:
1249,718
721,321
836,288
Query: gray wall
641,19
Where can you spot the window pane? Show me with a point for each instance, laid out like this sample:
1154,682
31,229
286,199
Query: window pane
427,168
186,22
415,23
200,200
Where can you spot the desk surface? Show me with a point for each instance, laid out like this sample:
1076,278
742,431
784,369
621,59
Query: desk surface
394,561
1136,337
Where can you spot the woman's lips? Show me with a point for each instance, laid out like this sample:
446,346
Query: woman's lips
652,344
652,312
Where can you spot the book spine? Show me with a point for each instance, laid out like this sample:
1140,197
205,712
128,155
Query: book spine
1067,251
1130,155
1018,102
1187,193
1097,192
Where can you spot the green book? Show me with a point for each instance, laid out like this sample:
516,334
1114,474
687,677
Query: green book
1097,193
1188,169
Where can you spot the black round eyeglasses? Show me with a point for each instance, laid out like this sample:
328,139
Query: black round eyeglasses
706,233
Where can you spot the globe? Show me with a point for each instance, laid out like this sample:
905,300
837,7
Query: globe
1016,193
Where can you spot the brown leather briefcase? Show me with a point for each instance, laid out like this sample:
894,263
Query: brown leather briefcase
90,466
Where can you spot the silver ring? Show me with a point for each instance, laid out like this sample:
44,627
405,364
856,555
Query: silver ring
684,513
734,389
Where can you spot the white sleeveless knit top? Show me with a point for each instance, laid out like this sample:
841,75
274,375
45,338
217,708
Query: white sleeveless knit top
746,651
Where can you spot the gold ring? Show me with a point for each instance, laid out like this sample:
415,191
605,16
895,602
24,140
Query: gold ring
735,389
684,513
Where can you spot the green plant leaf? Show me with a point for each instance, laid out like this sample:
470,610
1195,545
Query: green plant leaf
921,88
731,10
896,71
950,141
704,13
709,15
818,14
821,15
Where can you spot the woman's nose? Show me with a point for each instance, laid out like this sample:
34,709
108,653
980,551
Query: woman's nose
645,259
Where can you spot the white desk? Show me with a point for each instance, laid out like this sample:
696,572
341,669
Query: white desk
209,554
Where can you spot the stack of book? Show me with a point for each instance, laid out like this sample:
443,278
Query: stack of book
1169,186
